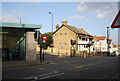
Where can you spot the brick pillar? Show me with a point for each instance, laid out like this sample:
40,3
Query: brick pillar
30,47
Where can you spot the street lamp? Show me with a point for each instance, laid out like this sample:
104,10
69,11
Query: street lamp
108,40
52,31
52,20
19,19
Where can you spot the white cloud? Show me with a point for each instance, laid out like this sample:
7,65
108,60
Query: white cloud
81,7
78,17
12,16
101,9
102,15
105,14
8,18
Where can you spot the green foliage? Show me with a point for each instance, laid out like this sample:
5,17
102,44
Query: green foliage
114,52
48,41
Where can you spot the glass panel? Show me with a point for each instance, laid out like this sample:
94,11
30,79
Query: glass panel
13,44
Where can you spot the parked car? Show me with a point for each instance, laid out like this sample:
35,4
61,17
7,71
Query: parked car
111,54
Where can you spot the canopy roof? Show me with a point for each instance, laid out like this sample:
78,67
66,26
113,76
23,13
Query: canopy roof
17,25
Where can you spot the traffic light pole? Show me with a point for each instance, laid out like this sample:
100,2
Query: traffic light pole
40,43
40,53
43,55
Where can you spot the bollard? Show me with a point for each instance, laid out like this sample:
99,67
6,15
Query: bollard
66,54
84,55
58,53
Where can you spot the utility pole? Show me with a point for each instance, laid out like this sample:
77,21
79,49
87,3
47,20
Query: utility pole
89,46
108,46
40,43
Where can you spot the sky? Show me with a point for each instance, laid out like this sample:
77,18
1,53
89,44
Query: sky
93,17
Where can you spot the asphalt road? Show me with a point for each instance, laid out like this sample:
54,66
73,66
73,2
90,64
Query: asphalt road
95,68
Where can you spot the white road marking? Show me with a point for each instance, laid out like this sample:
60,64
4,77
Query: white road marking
37,68
51,76
42,75
115,77
81,69
48,74
29,78
40,68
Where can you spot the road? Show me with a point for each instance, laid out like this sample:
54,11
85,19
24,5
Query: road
103,68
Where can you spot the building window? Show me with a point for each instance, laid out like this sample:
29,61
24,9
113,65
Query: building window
83,38
60,33
90,39
65,33
80,37
61,46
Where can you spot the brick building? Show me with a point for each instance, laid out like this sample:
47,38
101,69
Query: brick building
65,33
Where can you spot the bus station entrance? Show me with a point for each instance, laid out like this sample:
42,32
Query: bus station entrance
14,43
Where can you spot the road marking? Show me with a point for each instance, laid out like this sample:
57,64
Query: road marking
115,78
52,76
29,78
37,68
40,68
48,74
81,69
78,67
41,75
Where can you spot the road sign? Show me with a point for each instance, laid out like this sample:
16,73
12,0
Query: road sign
44,37
116,22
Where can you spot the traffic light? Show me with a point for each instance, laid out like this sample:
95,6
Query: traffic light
35,35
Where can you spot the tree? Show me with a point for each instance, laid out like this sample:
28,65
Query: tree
48,41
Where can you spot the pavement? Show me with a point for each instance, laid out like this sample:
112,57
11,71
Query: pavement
15,64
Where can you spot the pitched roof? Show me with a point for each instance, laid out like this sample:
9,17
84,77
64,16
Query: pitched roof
82,30
74,29
98,38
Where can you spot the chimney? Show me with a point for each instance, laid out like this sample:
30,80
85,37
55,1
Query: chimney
57,26
81,29
64,22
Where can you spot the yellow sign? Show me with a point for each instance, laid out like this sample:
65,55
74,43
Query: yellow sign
4,32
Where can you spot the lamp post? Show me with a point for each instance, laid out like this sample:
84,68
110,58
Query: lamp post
19,19
108,40
52,19
52,30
